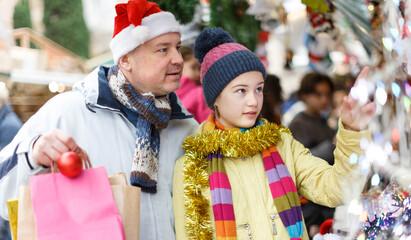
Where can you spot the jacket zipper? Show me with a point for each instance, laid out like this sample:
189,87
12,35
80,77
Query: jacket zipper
90,105
247,227
274,228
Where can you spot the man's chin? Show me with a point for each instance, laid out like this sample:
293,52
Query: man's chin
178,87
173,83
167,89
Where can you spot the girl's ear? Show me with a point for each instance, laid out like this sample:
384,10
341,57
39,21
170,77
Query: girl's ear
124,62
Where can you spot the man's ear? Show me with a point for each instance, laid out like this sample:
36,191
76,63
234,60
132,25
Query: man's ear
124,62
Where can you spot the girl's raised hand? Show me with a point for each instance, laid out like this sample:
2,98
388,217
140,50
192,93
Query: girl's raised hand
356,115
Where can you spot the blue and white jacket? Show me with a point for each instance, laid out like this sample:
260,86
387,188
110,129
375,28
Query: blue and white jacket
100,125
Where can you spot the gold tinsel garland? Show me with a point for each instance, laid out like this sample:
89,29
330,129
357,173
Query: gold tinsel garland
232,144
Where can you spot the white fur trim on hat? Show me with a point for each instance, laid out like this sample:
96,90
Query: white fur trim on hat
161,23
151,27
140,33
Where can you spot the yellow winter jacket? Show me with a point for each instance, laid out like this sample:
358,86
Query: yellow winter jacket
255,213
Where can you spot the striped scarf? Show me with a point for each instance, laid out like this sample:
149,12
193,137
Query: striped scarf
283,190
154,114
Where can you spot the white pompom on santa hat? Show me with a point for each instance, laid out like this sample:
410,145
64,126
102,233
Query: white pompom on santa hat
138,21
326,232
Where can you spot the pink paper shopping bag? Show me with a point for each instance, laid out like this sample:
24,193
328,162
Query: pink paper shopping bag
77,208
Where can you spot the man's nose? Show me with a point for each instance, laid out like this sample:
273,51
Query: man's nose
177,58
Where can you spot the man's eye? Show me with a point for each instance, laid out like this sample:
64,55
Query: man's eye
163,50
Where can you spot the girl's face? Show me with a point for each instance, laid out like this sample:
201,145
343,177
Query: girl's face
240,102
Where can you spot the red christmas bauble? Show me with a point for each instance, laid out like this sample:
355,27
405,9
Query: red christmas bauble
70,164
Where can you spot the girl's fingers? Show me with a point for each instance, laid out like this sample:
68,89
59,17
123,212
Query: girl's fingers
363,74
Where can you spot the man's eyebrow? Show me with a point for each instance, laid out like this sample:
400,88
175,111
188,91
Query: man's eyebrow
166,43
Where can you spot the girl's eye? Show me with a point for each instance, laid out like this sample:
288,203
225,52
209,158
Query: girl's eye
260,89
240,91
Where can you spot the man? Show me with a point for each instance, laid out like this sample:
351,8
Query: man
126,117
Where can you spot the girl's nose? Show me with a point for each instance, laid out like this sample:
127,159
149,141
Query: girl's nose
252,99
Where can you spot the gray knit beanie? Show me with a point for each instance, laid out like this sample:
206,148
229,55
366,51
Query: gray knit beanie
222,60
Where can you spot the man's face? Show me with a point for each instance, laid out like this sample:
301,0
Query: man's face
156,65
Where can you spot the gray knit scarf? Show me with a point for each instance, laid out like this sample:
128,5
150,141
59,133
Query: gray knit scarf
154,114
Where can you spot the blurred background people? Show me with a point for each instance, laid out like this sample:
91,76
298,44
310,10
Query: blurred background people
190,92
273,99
291,107
311,129
10,124
336,103
310,126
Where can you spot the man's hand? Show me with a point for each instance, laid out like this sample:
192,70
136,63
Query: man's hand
50,146
356,116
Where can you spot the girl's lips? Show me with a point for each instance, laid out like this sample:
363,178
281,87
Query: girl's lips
251,114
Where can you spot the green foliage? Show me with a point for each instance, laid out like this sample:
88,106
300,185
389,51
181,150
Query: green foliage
65,25
21,16
183,10
230,15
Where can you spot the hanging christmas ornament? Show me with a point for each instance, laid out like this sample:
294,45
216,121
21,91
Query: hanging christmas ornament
270,21
321,37
403,22
388,214
320,6
261,8
70,164
402,229
271,13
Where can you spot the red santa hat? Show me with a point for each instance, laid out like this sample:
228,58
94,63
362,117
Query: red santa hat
138,21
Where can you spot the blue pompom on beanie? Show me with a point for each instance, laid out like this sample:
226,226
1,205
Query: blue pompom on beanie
222,60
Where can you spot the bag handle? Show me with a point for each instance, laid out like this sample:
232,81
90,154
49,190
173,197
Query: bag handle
83,156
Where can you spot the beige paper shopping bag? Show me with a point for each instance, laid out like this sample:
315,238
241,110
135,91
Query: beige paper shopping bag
26,228
127,199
